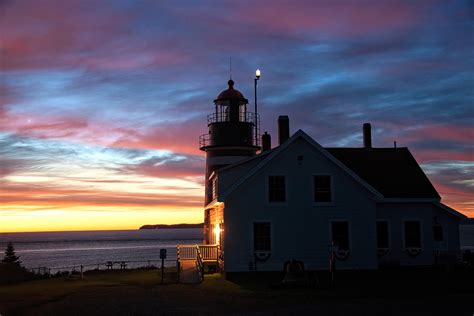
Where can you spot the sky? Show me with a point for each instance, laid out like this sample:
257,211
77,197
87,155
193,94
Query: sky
102,102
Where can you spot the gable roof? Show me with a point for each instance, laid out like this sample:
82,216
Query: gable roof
274,152
391,171
450,210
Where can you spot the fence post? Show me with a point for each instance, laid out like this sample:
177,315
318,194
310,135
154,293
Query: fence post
82,272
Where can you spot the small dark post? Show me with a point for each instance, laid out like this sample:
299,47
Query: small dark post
266,142
283,128
367,135
162,257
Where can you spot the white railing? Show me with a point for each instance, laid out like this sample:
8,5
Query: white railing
187,252
209,252
199,263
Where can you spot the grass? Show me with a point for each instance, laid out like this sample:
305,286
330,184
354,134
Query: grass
140,292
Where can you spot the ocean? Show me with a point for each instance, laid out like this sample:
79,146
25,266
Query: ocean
64,250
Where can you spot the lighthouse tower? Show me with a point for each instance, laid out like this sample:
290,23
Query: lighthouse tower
232,134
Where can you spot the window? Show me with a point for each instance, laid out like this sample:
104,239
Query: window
261,237
214,188
438,233
340,235
412,234
322,189
382,234
276,189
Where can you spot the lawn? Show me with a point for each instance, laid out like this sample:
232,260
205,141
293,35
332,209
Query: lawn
139,292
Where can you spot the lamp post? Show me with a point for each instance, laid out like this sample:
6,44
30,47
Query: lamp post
257,76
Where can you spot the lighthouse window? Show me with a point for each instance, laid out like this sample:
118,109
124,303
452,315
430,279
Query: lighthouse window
276,189
322,188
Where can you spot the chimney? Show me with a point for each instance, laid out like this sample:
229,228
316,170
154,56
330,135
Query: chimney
283,128
266,142
367,135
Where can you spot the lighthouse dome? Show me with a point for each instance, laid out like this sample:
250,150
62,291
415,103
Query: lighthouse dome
230,94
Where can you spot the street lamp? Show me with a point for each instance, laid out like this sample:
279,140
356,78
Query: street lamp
257,76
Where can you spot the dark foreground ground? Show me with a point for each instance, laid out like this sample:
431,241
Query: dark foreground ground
138,292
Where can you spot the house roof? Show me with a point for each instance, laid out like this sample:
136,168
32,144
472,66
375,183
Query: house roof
274,152
391,171
450,210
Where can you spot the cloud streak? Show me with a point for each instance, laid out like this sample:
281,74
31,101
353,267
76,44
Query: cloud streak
102,103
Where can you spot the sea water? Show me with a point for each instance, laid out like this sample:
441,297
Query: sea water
63,250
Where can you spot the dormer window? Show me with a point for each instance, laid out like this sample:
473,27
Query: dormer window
322,189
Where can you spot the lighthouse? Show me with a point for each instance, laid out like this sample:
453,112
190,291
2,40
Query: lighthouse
233,134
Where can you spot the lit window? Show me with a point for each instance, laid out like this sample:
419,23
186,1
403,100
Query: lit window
412,234
322,189
382,234
276,189
261,237
340,235
438,233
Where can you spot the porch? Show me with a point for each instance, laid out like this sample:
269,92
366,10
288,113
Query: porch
193,261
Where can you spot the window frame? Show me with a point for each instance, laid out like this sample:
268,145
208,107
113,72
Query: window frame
267,185
404,221
253,235
313,190
443,234
214,188
389,239
349,232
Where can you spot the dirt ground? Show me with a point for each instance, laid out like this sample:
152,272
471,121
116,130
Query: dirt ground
138,292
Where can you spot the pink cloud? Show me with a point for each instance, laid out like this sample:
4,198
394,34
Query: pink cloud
177,137
24,194
335,18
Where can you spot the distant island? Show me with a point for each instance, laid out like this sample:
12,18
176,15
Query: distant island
173,226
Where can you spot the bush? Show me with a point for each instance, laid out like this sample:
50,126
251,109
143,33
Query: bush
13,273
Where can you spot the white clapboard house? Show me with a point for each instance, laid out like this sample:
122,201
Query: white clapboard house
265,206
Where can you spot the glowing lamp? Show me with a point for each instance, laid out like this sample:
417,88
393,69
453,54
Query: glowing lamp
257,74
217,233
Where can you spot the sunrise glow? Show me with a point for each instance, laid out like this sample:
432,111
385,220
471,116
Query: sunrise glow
102,102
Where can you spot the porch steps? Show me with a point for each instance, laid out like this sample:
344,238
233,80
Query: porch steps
189,272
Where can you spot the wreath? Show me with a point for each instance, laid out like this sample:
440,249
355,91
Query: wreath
262,256
413,252
342,254
382,252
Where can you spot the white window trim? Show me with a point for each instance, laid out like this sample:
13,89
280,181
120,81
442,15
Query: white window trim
422,244
267,189
333,195
349,228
